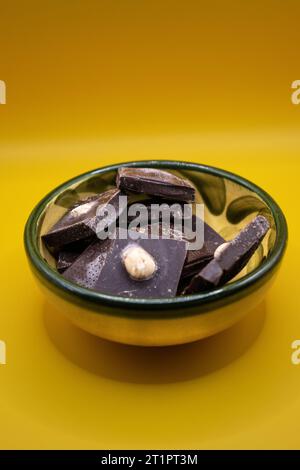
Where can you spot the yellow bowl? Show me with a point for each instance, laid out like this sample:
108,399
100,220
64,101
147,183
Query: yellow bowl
230,202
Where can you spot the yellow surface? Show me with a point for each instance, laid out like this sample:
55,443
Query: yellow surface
91,83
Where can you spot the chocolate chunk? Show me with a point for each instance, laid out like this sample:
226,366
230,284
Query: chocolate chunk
155,182
66,259
197,259
86,270
80,222
169,256
231,259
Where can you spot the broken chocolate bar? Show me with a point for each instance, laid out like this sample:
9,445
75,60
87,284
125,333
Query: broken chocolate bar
131,278
66,257
86,269
197,259
230,258
155,182
156,251
80,222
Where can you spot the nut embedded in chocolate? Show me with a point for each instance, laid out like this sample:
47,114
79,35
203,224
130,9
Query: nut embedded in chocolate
169,255
220,249
155,182
195,259
230,260
139,264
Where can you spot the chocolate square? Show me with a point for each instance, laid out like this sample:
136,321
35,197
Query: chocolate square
86,270
231,259
169,255
155,182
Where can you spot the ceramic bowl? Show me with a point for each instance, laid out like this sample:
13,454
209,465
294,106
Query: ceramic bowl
230,203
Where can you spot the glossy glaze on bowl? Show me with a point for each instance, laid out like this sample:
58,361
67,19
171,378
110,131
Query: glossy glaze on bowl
230,202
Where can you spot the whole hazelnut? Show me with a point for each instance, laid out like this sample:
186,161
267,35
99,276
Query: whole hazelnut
220,249
139,264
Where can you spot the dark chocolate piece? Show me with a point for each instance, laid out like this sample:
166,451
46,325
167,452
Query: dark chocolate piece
197,259
86,270
155,182
231,259
80,222
183,283
169,255
65,259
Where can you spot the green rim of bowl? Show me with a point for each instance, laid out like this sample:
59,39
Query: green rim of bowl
95,299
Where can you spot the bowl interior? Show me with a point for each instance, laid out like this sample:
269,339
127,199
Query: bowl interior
230,203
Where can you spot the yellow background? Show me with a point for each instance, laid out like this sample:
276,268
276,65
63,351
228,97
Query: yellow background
96,82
